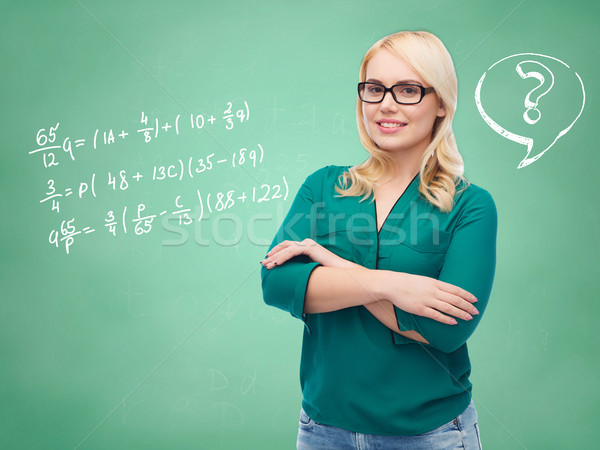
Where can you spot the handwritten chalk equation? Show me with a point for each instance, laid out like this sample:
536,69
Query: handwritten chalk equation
120,180
141,221
69,189
531,99
47,144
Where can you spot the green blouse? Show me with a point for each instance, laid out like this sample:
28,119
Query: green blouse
356,373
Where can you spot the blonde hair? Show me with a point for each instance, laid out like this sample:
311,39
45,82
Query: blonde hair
442,167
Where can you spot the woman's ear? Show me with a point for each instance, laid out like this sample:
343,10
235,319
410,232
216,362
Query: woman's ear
441,110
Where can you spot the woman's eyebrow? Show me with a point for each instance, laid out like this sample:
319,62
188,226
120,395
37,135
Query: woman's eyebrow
375,80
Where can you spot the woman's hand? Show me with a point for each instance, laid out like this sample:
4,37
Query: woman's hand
429,297
288,249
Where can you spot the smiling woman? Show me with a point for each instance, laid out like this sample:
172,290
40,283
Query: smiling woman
388,304
402,122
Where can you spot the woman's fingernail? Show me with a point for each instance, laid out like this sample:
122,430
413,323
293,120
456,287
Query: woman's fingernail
468,316
474,311
454,322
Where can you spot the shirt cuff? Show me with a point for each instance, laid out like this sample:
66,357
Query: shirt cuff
406,322
297,307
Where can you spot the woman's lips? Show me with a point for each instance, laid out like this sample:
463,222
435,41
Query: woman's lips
390,126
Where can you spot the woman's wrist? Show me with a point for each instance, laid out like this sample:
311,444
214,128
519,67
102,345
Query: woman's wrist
379,283
373,281
330,259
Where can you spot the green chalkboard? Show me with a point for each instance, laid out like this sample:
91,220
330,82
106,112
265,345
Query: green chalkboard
150,151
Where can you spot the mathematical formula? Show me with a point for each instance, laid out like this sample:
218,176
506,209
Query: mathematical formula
108,137
140,217
141,220
121,180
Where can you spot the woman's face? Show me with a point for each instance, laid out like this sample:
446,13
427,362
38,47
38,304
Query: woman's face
409,127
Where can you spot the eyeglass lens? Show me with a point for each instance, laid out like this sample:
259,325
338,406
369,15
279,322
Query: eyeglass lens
404,93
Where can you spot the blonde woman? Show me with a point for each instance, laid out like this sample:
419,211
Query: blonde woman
390,266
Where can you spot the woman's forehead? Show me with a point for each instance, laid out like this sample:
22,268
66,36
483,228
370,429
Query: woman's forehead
386,67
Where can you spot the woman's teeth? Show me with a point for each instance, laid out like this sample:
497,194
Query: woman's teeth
390,125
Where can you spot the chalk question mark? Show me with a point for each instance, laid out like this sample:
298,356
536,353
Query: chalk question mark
570,97
531,100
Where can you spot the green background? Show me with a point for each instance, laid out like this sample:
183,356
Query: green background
162,340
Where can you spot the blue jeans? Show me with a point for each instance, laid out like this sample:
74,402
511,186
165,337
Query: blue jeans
460,433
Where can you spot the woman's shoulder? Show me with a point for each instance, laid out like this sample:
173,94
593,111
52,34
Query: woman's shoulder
472,196
326,173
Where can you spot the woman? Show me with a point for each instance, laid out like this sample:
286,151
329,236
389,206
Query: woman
387,287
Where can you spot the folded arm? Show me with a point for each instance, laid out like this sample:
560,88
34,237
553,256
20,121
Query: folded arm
469,263
340,283
302,277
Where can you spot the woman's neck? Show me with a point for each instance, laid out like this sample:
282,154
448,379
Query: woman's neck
407,166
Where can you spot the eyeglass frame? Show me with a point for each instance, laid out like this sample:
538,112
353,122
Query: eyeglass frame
424,92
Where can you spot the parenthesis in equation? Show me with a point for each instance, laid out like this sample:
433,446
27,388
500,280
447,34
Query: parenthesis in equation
286,188
262,152
93,182
177,124
124,219
247,110
181,171
201,206
190,167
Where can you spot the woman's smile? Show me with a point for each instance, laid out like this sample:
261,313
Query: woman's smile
389,126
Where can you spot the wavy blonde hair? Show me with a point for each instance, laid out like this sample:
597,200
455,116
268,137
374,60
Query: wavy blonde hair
442,167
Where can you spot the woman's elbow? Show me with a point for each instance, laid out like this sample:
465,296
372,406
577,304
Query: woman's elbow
447,342
267,291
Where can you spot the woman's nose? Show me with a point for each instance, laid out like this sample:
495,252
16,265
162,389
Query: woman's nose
388,103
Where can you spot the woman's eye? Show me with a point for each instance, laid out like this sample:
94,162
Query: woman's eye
374,89
409,90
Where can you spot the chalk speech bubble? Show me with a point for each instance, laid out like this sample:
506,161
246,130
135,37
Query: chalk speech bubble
508,95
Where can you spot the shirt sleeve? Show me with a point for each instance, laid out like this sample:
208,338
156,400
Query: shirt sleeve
470,263
285,286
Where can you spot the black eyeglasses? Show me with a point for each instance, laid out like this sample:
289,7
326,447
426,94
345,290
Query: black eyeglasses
405,94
